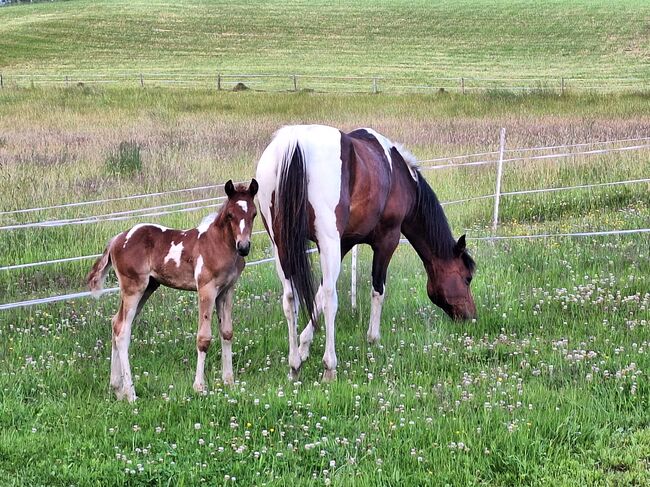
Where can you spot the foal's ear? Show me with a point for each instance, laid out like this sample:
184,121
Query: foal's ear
253,187
460,246
230,188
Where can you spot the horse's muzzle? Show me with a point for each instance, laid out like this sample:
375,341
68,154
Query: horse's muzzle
243,249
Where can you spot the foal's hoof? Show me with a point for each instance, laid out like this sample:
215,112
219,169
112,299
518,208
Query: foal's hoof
329,375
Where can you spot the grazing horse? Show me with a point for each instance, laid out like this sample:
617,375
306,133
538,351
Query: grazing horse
338,190
207,259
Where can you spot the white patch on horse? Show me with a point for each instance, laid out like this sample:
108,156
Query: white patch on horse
198,268
205,223
410,159
175,251
138,227
385,143
244,206
242,225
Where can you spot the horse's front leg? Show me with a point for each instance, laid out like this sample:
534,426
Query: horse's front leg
382,253
224,310
207,295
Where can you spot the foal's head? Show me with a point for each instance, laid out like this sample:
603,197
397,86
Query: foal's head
448,284
239,213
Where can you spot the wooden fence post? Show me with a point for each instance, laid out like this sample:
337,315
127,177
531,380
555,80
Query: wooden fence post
562,87
219,81
374,85
497,192
295,83
2,83
141,80
462,85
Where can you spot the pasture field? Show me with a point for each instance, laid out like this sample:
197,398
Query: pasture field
548,387
404,40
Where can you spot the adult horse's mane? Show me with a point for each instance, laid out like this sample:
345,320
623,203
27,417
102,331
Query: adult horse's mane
429,213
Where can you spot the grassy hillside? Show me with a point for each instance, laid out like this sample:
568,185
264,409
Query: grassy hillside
418,40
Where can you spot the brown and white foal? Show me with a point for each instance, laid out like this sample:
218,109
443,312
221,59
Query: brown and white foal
207,259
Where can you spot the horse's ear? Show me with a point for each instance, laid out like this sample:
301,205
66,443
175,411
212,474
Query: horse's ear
253,187
230,188
460,246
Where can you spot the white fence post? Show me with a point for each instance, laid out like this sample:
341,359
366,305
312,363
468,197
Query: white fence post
497,191
353,280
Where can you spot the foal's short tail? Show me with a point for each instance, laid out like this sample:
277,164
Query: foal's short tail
97,274
293,231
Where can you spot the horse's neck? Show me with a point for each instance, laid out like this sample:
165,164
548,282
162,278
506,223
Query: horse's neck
413,231
218,235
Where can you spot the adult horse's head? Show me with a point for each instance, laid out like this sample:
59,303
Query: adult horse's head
448,284
240,212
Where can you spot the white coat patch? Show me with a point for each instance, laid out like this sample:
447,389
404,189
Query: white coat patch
174,254
198,268
244,206
242,225
205,223
385,143
138,227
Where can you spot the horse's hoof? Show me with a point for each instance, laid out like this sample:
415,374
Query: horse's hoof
198,387
329,375
372,339
303,352
130,396
294,374
119,394
228,380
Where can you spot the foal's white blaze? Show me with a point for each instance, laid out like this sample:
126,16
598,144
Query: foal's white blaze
244,206
175,251
138,227
198,268
242,225
205,223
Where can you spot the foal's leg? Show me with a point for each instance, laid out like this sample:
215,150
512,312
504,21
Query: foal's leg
116,366
207,295
330,259
383,251
224,310
121,339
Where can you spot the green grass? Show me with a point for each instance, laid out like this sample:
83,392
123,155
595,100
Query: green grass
400,40
548,387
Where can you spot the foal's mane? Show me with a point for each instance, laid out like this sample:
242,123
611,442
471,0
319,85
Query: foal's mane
429,214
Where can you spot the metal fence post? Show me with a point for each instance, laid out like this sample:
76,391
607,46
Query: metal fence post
497,192
353,273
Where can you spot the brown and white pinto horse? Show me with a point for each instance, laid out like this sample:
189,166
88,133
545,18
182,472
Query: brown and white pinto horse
339,190
207,259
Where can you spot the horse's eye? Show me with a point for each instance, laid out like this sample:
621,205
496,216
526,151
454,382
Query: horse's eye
468,280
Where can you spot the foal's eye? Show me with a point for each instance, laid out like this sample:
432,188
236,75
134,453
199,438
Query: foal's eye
468,280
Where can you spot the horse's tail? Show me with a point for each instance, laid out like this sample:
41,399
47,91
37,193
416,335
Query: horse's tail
292,214
97,274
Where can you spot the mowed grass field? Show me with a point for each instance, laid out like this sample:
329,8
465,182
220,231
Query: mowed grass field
548,387
397,39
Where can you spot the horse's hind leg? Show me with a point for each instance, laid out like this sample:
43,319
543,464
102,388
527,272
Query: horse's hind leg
330,259
307,335
290,304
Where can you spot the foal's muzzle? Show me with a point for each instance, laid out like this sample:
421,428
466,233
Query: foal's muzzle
243,248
